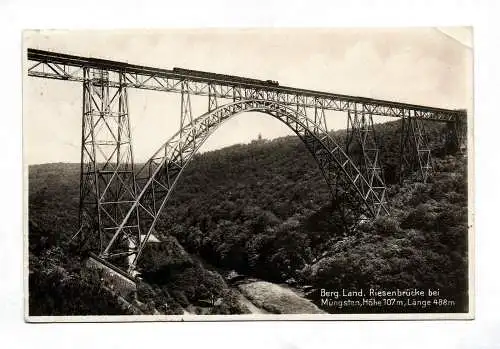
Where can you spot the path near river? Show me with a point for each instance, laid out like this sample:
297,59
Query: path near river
247,303
276,299
264,297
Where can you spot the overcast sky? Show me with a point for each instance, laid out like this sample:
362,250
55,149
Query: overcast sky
423,66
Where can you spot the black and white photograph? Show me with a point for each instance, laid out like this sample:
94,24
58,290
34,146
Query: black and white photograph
248,174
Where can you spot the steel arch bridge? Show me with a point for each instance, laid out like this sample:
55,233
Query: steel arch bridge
120,205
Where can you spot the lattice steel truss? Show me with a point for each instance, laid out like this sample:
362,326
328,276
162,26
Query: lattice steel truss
119,206
415,152
360,130
107,184
159,175
70,68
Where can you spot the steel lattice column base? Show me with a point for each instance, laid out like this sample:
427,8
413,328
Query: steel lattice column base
113,278
107,182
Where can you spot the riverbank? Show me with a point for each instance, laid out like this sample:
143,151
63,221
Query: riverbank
276,299
264,297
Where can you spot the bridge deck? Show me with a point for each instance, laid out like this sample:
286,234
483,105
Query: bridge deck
58,67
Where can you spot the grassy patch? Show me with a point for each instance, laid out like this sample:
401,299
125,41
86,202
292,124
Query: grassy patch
277,299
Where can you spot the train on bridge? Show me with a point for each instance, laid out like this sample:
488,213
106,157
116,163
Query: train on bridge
133,216
225,77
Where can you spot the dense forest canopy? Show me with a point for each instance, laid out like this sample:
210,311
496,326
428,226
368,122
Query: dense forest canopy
264,209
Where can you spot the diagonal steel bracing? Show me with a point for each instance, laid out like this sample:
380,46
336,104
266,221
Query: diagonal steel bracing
70,68
415,152
119,206
164,168
107,183
361,145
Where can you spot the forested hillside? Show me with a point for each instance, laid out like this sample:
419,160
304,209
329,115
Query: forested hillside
263,209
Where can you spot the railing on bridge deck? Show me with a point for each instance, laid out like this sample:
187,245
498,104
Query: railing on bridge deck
111,197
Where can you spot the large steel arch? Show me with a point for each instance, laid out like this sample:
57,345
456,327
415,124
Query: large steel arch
157,178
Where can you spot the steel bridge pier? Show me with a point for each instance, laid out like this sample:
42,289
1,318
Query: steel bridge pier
107,184
120,204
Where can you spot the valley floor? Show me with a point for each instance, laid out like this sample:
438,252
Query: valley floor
277,299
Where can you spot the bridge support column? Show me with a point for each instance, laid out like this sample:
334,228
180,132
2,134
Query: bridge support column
461,130
415,151
107,178
186,115
364,151
456,137
212,98
319,116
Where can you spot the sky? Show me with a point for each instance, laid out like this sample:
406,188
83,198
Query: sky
428,66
